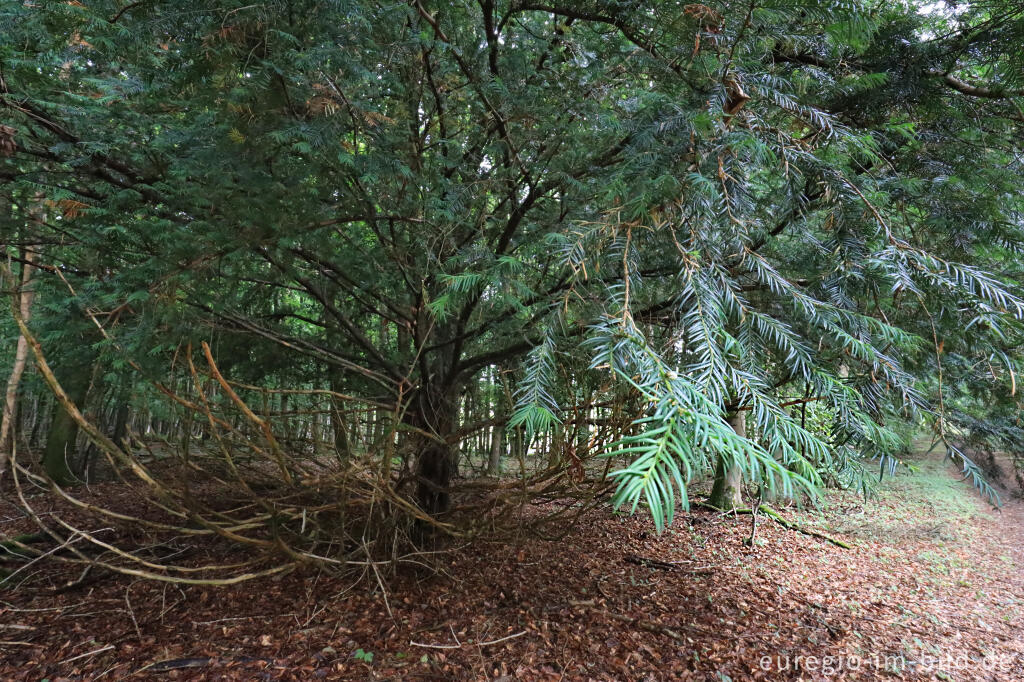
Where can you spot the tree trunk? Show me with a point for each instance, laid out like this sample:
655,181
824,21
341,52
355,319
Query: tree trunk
120,430
40,410
287,428
497,446
60,442
339,430
555,442
20,360
89,453
727,490
341,441
434,412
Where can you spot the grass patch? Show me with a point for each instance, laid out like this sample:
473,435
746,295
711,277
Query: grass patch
923,501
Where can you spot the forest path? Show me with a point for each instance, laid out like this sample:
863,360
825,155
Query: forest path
932,589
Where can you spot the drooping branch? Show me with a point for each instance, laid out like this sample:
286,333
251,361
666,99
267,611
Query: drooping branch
983,91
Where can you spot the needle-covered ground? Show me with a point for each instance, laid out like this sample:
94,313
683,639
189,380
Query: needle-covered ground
931,589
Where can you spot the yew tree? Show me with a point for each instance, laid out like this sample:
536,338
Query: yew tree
736,212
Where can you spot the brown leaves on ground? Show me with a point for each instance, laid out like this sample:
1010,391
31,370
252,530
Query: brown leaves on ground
935,602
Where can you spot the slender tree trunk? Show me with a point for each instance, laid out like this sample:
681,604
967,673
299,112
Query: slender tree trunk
121,414
40,410
90,451
286,428
555,441
727,490
497,446
20,360
339,429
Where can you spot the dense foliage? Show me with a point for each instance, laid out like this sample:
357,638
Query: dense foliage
528,215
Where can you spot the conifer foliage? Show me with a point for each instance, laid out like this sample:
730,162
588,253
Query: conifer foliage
605,226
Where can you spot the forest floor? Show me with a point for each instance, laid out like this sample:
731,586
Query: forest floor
932,588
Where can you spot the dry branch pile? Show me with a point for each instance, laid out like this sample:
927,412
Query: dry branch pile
261,479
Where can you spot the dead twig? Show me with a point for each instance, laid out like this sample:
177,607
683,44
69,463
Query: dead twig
131,612
176,664
435,646
459,645
501,639
781,520
87,654
651,563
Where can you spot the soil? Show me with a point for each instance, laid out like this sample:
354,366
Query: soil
931,589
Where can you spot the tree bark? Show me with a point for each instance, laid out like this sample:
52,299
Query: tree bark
339,429
727,491
25,296
60,441
75,379
555,442
497,446
433,414
120,430
40,410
